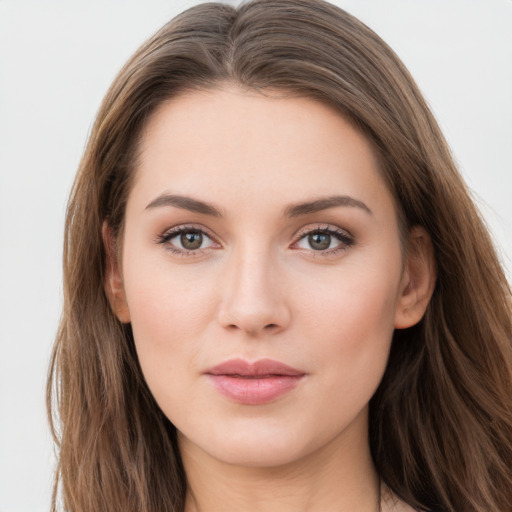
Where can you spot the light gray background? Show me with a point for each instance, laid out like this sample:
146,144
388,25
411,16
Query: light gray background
56,62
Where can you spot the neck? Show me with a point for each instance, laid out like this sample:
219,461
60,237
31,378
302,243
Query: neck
340,476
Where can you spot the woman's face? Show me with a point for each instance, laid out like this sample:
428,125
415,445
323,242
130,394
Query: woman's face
262,274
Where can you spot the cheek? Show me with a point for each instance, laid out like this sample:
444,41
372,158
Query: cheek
351,317
168,314
355,300
167,323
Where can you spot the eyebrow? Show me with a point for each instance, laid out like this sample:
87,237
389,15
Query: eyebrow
324,203
185,203
295,210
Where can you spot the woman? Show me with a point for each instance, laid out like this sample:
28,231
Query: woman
278,294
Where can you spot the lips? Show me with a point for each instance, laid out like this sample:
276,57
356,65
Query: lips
254,383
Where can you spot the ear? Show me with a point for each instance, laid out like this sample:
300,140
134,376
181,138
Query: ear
113,282
418,279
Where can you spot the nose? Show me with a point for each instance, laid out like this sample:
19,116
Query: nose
252,297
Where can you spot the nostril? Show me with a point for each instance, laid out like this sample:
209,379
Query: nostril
269,327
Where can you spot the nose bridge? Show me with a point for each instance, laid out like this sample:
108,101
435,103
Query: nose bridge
252,298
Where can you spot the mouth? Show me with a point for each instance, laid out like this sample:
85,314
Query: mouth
254,383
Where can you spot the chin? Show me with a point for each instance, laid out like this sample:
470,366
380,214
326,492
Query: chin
262,455
263,447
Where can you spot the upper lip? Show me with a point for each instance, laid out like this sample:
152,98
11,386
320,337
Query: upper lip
260,368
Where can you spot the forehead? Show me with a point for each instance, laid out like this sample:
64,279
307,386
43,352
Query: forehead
215,142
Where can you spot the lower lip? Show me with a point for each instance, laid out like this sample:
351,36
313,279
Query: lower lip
254,391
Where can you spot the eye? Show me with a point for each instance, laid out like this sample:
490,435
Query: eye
186,240
325,239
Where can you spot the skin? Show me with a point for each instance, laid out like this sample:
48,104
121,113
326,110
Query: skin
257,288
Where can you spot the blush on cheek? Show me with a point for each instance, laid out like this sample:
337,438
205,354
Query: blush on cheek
360,326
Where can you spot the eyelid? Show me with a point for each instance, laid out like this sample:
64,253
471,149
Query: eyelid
175,231
345,238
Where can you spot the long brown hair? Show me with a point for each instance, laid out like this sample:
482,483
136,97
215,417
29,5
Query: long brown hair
441,420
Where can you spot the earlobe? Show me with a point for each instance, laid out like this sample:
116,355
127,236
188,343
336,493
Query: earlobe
113,282
418,279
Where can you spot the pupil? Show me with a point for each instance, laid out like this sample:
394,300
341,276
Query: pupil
191,239
319,241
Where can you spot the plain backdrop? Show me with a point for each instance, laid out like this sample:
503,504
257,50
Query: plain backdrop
57,59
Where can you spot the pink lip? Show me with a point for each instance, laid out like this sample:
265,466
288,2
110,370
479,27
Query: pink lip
254,383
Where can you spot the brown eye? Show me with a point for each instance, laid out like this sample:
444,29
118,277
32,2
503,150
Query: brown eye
191,240
325,240
319,241
187,240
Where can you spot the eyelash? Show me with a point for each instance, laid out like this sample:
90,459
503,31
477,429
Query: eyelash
175,232
345,239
